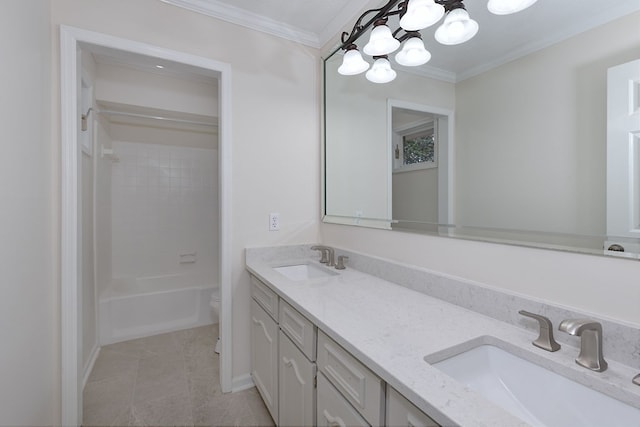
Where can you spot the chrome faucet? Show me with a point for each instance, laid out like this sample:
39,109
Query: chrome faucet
328,254
545,339
341,261
591,342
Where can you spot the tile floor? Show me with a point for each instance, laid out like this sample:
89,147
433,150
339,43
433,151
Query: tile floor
166,380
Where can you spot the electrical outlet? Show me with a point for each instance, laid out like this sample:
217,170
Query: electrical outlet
274,221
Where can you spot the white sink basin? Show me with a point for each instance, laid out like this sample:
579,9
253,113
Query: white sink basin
304,271
534,394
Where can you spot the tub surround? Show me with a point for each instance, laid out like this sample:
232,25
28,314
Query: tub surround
391,316
144,306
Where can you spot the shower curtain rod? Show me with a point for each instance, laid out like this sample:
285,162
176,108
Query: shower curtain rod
148,116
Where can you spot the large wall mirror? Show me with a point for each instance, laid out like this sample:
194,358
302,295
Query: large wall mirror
494,140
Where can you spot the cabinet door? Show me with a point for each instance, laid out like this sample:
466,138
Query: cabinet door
264,357
402,413
333,409
296,389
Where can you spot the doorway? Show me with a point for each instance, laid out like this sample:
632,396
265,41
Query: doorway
623,148
73,42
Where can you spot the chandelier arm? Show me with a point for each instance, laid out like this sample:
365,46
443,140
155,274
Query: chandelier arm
359,28
406,35
449,5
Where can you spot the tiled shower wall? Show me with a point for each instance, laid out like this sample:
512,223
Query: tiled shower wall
164,204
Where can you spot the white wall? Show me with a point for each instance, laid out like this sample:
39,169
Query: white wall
531,135
29,255
415,195
126,85
275,102
89,335
164,204
87,182
103,205
358,151
596,284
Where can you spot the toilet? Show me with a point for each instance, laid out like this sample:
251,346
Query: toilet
215,309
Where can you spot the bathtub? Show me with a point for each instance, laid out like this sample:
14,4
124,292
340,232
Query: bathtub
138,307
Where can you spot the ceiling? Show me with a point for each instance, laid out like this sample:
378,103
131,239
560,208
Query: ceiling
499,40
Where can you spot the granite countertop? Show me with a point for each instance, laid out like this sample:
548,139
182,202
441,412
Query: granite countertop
391,329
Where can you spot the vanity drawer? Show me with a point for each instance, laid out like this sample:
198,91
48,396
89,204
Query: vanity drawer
402,413
265,297
333,410
301,331
357,383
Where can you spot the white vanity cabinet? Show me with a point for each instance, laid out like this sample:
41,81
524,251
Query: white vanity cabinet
306,379
283,354
296,386
297,370
402,413
264,355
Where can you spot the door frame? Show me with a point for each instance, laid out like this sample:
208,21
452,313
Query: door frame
71,40
445,152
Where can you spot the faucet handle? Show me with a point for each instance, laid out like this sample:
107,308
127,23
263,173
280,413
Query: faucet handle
340,263
324,251
545,339
590,333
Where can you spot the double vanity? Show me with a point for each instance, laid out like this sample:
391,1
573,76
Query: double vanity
381,343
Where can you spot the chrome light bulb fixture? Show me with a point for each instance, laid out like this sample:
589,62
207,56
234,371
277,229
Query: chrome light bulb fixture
415,15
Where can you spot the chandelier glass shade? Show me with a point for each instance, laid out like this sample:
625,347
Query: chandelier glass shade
415,15
381,71
421,14
506,7
413,52
353,63
457,28
381,41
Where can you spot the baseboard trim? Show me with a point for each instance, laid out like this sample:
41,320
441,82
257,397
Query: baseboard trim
241,382
92,361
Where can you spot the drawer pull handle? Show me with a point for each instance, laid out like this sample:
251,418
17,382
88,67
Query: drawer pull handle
333,421
264,328
292,363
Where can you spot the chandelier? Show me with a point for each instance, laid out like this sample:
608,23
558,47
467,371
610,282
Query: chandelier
415,15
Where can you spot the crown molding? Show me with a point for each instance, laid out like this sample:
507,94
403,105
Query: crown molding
431,72
612,13
235,15
248,19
